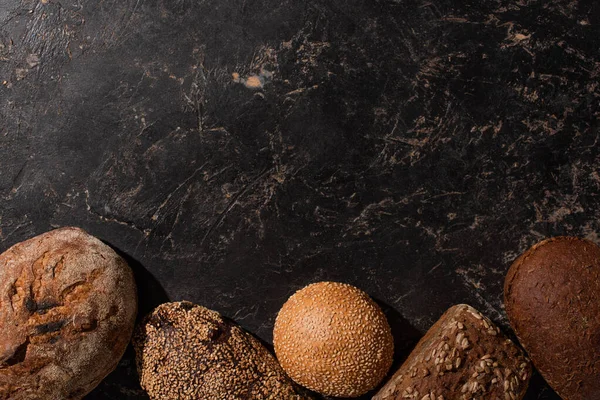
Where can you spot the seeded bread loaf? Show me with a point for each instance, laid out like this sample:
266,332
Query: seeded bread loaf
552,299
188,352
463,356
67,310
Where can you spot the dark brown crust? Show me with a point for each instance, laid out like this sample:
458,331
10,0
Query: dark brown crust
67,310
552,299
463,356
188,352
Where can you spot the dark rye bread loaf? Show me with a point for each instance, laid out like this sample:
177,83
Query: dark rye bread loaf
67,310
552,299
188,352
463,356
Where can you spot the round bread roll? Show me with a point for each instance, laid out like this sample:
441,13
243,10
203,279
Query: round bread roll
333,338
552,299
188,352
67,310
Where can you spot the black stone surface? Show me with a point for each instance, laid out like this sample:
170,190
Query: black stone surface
236,151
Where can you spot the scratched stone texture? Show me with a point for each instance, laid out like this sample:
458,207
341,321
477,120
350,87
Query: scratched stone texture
236,151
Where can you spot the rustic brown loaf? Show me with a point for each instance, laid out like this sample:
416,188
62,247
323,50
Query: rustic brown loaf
463,356
67,310
188,352
552,298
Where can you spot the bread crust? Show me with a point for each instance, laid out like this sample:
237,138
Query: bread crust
552,299
185,351
334,339
463,356
67,310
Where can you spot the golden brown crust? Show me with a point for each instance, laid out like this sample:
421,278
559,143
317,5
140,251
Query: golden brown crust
67,310
552,299
333,338
463,356
188,352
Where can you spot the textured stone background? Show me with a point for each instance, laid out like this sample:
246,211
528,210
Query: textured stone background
236,151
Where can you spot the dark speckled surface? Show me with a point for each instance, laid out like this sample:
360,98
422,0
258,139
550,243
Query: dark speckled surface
239,150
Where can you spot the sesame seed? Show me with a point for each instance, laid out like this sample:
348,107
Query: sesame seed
359,347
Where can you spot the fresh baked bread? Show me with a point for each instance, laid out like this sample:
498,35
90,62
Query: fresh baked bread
188,352
67,310
332,338
463,356
552,299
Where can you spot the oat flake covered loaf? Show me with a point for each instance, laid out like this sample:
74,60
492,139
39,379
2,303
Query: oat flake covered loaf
463,356
67,310
187,352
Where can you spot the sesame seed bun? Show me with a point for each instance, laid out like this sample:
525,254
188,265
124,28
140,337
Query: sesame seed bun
333,338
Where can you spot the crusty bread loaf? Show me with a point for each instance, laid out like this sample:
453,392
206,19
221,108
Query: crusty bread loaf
67,310
188,352
552,299
463,356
